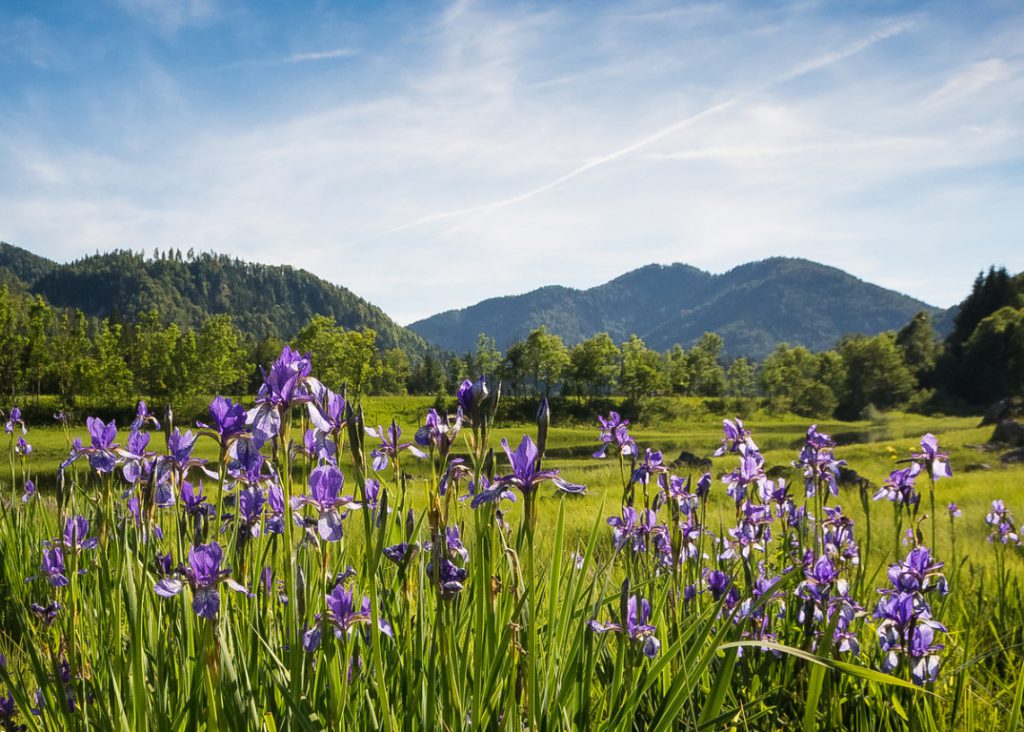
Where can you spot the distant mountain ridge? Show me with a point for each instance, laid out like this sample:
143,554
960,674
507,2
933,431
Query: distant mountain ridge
264,300
753,306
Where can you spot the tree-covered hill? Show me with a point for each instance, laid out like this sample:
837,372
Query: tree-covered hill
754,307
264,300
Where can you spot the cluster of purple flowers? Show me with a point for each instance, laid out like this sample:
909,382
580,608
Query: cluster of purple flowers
1001,521
636,626
907,631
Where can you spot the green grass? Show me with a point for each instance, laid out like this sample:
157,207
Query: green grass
520,653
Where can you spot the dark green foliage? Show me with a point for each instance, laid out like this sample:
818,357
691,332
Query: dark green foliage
991,291
753,307
876,374
992,365
264,300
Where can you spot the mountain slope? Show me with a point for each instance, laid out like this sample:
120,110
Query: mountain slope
264,300
754,307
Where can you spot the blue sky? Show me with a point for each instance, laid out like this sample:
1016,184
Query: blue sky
429,155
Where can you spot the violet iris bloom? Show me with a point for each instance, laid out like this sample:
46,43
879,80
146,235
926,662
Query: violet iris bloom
30,491
203,575
101,452
736,438
194,501
899,486
637,627
14,420
818,463
325,484
228,419
21,447
471,396
488,493
135,456
524,476
76,530
437,432
935,462
53,567
288,382
343,616
750,473
328,412
389,446
614,434
143,417
275,500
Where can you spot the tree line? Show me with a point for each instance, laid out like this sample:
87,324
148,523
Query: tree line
47,350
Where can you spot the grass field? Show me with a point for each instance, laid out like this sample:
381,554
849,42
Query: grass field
510,646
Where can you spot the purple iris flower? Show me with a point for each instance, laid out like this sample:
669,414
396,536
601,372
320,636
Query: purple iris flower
203,574
135,456
488,493
398,553
319,446
22,447
47,613
720,585
250,510
389,446
736,439
194,501
818,463
935,462
908,631
954,510
180,447
524,476
635,528
288,382
9,713
14,420
30,491
752,532
101,452
76,534
749,473
919,573
704,486
652,465
343,616
471,396
53,567
325,484
1004,527
899,486
637,627
143,417
615,434
327,411
228,418
456,470
451,577
275,501
837,538
438,432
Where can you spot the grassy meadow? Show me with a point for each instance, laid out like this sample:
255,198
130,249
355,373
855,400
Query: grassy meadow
508,641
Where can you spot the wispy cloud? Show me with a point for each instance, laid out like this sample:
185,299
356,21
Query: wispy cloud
297,58
814,64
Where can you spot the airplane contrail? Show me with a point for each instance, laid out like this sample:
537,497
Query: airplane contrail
478,212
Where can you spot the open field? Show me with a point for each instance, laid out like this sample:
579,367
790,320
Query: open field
503,636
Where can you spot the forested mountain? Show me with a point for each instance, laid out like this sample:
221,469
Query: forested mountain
264,300
754,307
